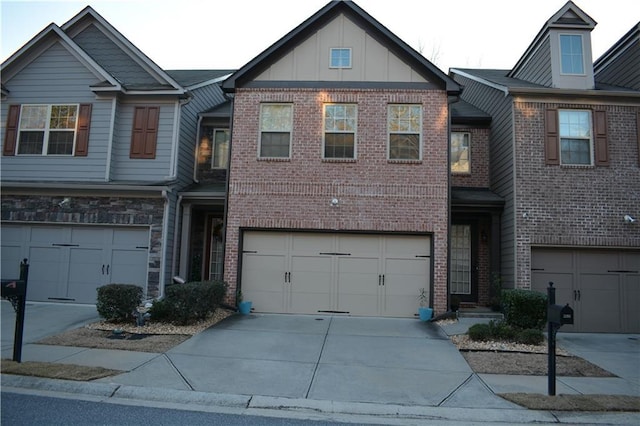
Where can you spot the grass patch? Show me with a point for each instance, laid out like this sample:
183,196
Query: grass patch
534,401
56,371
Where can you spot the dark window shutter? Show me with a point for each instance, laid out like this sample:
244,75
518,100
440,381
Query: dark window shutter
82,137
551,137
11,133
600,143
145,132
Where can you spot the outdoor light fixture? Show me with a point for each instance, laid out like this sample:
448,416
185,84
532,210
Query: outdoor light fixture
629,219
66,200
334,202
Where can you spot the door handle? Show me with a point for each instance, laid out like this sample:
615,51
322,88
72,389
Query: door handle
383,280
107,269
579,296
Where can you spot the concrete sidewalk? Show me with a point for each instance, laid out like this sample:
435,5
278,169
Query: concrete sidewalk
325,364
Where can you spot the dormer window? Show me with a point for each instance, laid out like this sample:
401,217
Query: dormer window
340,58
571,56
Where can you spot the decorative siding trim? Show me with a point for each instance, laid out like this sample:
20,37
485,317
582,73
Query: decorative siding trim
84,123
11,133
600,140
551,139
145,132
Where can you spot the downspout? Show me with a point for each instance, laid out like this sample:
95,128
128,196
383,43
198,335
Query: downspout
112,125
197,147
226,197
165,239
176,232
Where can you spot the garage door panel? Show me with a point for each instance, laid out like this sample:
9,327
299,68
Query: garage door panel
46,279
129,267
48,234
600,302
310,285
358,285
263,281
359,245
94,237
552,261
408,246
128,237
598,261
631,291
85,274
310,244
12,254
264,242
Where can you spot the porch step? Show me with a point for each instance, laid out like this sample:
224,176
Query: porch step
472,311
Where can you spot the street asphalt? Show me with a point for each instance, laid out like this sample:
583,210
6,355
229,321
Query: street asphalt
389,368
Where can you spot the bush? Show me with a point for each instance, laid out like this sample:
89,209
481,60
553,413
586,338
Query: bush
117,302
530,336
188,303
525,308
500,330
479,332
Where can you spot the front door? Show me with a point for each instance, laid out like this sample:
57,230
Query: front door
462,268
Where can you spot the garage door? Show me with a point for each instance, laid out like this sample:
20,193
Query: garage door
369,275
602,286
68,263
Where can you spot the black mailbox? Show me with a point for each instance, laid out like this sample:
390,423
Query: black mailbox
13,288
559,314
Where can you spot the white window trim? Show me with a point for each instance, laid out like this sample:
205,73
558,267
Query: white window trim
355,133
420,135
46,130
584,65
350,58
469,152
591,147
213,148
262,105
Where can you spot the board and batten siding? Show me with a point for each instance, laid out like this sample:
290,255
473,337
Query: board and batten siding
371,61
501,156
124,168
538,69
57,77
203,99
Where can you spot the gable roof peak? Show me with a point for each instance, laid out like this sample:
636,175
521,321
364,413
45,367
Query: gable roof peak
570,16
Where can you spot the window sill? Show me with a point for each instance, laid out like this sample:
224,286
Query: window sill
274,159
339,160
394,161
577,166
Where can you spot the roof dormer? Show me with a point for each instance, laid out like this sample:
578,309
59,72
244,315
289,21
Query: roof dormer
560,55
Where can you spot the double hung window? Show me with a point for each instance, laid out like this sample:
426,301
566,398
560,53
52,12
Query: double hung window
575,137
460,152
404,125
47,129
276,123
571,57
340,125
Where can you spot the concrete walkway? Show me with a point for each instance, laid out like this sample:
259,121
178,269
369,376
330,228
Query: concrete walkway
323,364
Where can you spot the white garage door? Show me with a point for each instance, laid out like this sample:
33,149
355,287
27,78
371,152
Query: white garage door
602,286
369,275
68,263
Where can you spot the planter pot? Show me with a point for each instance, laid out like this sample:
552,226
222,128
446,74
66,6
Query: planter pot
425,313
244,307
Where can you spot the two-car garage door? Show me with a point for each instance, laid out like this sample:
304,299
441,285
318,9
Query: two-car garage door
68,263
602,286
297,272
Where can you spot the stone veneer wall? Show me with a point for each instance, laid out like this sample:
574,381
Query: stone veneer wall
376,195
82,210
574,206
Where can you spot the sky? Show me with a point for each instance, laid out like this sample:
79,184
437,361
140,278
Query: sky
226,34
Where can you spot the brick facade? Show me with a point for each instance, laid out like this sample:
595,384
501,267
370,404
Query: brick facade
107,211
376,195
568,205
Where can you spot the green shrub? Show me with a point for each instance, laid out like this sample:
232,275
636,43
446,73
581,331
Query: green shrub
117,302
524,308
500,330
479,332
530,336
188,303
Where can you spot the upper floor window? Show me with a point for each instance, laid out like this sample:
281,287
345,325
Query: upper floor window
47,129
460,152
571,57
575,137
276,124
404,124
340,130
340,58
220,149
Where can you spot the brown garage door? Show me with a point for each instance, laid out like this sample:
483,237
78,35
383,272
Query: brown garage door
602,286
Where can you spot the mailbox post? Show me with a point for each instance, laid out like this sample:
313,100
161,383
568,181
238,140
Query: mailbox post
16,292
557,316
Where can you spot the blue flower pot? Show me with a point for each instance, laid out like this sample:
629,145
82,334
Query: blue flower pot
425,313
244,307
